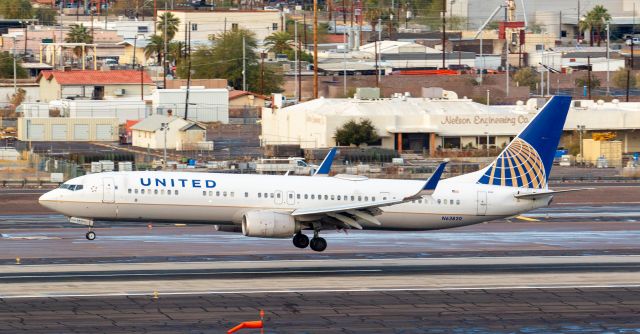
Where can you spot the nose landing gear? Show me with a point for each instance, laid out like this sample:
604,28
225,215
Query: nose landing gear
90,235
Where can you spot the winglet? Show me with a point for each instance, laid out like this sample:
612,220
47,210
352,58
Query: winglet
325,166
432,182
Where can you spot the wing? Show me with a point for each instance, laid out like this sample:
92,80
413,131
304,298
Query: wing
349,214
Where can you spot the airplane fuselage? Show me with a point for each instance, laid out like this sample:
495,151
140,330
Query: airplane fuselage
225,198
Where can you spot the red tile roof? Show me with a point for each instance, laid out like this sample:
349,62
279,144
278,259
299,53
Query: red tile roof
90,77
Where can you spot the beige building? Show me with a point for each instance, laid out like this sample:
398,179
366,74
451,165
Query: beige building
180,134
424,124
241,98
96,85
67,129
206,23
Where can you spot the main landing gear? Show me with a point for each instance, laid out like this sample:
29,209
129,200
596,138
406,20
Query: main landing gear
302,241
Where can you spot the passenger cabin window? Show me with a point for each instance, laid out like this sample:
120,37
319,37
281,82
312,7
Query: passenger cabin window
246,194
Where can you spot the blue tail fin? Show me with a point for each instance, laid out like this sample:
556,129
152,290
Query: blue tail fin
325,166
527,160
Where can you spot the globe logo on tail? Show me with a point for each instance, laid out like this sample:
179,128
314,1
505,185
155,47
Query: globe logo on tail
519,165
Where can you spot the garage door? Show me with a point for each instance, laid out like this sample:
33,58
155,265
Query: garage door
35,131
103,132
59,132
81,132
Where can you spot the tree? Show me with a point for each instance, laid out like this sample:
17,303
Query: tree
279,42
223,59
594,22
172,23
6,66
46,16
619,79
581,82
526,76
78,33
356,133
16,9
155,47
535,27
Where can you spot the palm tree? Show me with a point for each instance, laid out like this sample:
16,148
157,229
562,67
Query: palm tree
155,46
172,25
598,16
78,33
278,42
594,22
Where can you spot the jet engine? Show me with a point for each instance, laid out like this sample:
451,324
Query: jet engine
269,224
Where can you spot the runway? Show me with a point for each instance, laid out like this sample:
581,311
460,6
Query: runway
570,268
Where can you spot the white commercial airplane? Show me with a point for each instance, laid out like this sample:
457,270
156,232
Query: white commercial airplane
277,206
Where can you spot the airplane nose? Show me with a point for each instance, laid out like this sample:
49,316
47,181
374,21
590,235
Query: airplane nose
46,198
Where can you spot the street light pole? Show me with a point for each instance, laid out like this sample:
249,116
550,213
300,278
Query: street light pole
15,80
608,84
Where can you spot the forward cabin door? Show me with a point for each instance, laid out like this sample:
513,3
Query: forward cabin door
108,190
482,203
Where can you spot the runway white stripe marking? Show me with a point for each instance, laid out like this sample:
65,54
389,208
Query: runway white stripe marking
230,292
332,271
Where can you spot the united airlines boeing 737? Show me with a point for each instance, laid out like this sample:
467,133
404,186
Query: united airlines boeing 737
277,206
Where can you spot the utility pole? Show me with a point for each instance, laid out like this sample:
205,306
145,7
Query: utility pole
444,33
506,44
61,38
375,50
299,72
315,49
141,82
186,100
164,55
379,54
15,80
344,62
26,25
589,77
295,60
244,65
608,75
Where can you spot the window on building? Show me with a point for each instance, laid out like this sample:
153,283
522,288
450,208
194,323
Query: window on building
274,26
451,142
143,29
482,140
194,27
234,27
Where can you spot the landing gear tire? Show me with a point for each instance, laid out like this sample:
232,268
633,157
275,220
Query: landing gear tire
318,244
300,240
90,235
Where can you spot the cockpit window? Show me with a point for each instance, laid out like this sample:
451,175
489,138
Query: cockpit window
72,187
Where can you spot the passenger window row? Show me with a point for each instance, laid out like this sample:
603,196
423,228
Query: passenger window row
152,191
439,201
218,193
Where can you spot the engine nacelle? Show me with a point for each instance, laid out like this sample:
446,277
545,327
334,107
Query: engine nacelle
269,224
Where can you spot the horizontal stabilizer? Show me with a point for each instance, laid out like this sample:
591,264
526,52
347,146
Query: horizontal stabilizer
547,193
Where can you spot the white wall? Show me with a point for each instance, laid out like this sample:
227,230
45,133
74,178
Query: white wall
205,105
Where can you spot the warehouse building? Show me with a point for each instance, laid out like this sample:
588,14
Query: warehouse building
429,124
178,134
67,129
